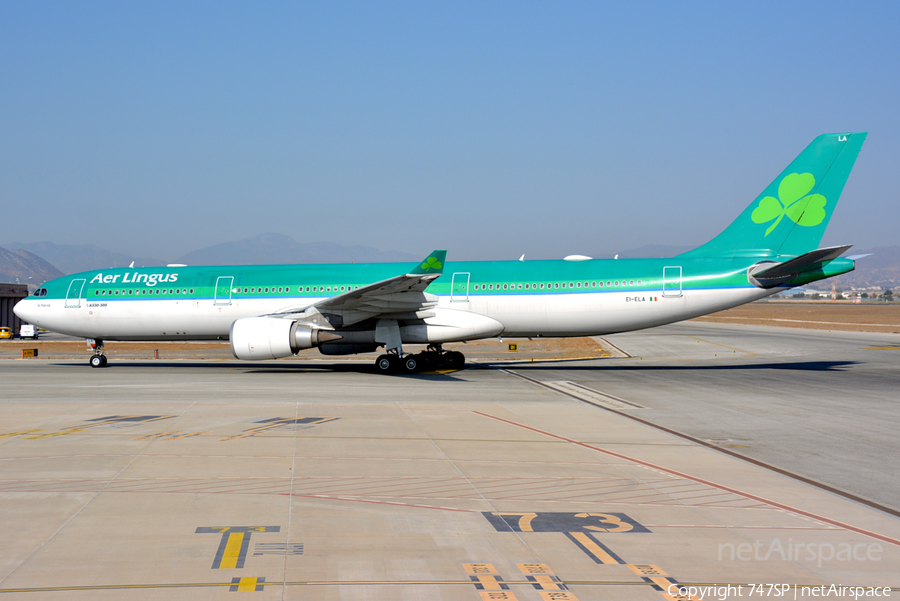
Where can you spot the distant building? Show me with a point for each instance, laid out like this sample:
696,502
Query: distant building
10,294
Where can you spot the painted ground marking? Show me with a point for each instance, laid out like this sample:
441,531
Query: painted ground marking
235,542
105,421
279,422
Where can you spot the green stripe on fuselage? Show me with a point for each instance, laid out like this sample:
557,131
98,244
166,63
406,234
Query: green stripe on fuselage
490,277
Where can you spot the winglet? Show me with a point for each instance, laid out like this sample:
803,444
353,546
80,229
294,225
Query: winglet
433,263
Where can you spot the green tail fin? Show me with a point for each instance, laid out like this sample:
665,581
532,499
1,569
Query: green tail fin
791,214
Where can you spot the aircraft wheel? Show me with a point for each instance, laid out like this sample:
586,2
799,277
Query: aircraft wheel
384,364
98,361
412,363
454,360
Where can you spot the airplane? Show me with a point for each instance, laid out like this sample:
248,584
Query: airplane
274,311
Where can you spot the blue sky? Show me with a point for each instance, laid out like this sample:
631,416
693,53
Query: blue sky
491,129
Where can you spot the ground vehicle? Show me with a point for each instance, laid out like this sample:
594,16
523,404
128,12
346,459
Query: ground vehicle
28,331
5,333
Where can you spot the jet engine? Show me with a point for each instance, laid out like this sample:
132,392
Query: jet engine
259,338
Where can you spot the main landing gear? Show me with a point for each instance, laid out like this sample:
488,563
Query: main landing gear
98,359
432,358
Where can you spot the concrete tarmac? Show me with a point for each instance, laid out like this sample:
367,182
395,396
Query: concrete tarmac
287,480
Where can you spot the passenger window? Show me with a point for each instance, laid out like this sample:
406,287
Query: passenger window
639,282
192,290
617,282
578,285
631,283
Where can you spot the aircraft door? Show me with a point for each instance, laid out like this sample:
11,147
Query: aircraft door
672,281
459,287
73,295
223,290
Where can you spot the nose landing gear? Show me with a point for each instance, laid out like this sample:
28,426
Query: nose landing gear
98,359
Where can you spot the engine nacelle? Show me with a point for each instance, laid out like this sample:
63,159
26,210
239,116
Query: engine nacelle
260,338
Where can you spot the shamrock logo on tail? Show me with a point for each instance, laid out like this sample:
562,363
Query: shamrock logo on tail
431,263
795,201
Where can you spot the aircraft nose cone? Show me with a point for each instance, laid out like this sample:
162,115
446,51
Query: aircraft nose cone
24,310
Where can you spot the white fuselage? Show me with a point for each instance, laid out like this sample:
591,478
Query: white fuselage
578,314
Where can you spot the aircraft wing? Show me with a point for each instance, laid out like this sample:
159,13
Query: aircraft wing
399,297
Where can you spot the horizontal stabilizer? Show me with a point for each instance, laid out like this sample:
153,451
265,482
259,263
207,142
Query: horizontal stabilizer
798,264
770,274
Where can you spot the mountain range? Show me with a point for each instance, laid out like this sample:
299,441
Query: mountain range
22,267
37,262
72,258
